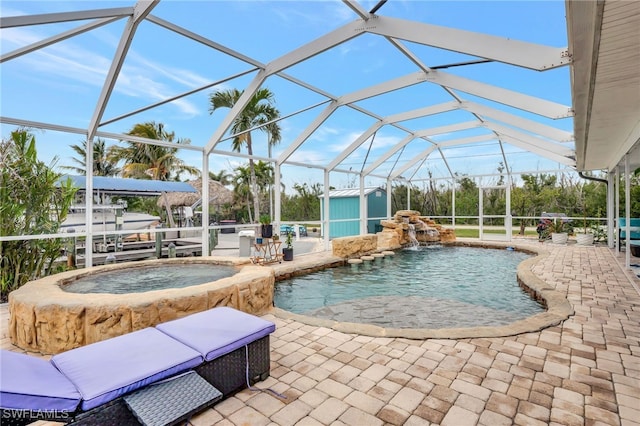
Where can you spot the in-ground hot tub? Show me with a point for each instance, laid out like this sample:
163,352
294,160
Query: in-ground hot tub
45,318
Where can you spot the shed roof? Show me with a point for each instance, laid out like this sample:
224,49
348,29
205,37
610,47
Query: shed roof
131,186
337,193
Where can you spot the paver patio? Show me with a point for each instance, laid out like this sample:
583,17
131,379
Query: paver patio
585,371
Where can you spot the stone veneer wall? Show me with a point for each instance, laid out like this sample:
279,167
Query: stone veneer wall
46,319
354,246
394,235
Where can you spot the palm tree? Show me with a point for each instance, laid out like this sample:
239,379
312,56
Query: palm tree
222,176
259,113
103,164
145,161
242,182
242,187
264,175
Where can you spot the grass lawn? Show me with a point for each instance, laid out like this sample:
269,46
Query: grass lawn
475,233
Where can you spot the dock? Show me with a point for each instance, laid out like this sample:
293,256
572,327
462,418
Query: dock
141,250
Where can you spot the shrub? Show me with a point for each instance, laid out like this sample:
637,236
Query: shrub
33,201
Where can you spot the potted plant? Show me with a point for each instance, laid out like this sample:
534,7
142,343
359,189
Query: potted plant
584,238
560,230
287,252
544,229
266,228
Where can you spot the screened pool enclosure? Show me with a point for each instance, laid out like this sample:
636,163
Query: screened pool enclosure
370,94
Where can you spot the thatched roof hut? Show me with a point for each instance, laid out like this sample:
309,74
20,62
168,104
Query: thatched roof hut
218,195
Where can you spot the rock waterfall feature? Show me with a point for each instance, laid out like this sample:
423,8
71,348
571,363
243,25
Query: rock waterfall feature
408,227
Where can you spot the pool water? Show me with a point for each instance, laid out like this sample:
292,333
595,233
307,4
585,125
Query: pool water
138,280
429,287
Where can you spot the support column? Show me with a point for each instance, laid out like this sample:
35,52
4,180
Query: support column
389,195
611,190
88,214
627,211
325,218
363,208
206,250
453,204
508,218
480,212
277,207
617,208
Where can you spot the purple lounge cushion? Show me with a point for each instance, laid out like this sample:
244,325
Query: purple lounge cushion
31,383
105,370
218,331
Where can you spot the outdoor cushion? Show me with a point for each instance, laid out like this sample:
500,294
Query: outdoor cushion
634,232
218,331
105,370
31,383
634,228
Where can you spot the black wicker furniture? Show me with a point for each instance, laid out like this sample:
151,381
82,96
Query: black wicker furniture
172,401
234,345
90,385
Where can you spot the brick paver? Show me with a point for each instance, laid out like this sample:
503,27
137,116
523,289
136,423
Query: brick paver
585,370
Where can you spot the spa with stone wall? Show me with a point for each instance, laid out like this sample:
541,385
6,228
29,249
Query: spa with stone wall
46,319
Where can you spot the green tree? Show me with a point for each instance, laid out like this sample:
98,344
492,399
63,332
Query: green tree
635,194
242,184
146,161
242,188
258,114
466,198
634,189
224,177
103,163
306,202
33,201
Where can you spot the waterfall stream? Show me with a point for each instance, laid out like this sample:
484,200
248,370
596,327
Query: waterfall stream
411,233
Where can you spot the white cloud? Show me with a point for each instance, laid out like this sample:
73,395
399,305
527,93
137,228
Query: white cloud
332,11
139,77
324,133
310,157
184,77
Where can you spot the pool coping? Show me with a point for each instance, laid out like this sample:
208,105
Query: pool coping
558,307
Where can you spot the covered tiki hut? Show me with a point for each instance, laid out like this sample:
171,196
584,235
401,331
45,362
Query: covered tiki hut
219,195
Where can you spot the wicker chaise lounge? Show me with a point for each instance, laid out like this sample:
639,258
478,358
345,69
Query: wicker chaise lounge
110,382
234,345
33,389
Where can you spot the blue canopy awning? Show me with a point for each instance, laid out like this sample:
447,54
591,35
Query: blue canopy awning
123,186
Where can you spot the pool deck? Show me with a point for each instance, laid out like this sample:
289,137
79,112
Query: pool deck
585,371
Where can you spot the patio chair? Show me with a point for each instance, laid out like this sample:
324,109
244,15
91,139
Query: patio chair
100,374
634,225
234,345
145,377
33,389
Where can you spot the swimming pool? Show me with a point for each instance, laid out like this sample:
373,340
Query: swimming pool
432,287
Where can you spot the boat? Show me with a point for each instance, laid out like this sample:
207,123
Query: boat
105,219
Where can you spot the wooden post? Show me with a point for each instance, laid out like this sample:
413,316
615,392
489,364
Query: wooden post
159,243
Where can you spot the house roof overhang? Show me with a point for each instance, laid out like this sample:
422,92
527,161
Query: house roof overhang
604,42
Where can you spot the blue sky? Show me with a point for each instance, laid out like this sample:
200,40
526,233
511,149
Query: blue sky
61,83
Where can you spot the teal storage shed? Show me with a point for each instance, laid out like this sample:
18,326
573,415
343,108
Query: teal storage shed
344,210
